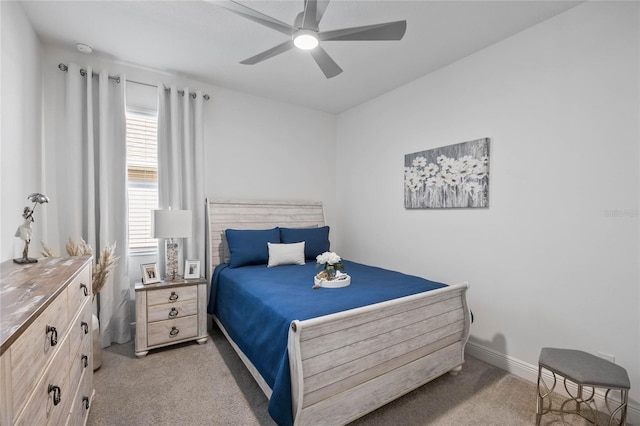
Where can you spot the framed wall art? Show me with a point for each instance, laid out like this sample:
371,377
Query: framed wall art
453,176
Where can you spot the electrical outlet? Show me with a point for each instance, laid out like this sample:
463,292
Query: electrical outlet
608,357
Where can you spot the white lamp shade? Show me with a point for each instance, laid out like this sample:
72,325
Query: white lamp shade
171,224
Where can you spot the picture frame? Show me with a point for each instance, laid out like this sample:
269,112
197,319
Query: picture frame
150,274
191,269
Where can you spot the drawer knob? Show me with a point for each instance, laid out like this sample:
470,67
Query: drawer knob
84,360
56,394
85,327
85,402
54,334
85,289
173,313
173,297
174,332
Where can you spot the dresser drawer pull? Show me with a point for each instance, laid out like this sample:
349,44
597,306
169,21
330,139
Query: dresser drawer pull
85,402
84,360
173,313
174,332
173,297
84,288
54,334
85,327
56,394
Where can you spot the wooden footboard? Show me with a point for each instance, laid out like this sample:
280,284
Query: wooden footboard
347,364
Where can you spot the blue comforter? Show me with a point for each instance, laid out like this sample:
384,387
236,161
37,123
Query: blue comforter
256,305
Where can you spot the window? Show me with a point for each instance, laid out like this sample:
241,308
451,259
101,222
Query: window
142,169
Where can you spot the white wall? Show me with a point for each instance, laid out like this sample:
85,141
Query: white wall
262,149
549,262
21,93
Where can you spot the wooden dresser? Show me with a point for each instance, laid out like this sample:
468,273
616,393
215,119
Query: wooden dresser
45,342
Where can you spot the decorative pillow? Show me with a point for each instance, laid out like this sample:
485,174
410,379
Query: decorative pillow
316,239
286,254
249,246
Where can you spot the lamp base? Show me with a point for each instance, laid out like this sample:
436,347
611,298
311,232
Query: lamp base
171,252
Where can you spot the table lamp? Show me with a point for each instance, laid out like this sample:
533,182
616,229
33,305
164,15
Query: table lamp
171,224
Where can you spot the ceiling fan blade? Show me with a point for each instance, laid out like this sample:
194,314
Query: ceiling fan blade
255,16
309,21
320,9
287,45
386,31
324,61
313,12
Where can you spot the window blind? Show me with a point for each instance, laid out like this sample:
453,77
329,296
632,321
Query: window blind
142,168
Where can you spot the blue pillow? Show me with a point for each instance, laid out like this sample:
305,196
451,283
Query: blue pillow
316,240
249,246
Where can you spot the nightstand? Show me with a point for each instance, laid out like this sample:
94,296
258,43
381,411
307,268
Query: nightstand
170,312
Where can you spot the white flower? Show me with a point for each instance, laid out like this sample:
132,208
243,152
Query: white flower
431,169
419,162
472,187
435,181
328,257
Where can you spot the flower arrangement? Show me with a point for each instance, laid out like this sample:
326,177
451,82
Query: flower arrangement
105,263
330,262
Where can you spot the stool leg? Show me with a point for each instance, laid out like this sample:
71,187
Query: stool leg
578,399
623,414
539,400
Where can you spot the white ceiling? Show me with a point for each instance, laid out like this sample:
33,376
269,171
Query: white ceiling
200,40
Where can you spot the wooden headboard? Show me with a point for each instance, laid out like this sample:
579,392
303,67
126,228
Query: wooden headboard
250,214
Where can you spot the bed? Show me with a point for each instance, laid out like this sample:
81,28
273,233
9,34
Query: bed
351,359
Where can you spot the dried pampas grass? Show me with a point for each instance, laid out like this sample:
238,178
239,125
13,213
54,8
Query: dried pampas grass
47,251
78,249
105,263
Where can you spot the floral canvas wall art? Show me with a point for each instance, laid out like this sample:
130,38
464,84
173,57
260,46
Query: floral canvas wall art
454,176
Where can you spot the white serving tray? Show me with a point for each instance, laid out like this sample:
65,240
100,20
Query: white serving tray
343,281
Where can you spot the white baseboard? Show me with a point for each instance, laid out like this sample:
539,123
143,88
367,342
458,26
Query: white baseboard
530,372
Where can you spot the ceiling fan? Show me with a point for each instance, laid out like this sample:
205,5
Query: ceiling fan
305,34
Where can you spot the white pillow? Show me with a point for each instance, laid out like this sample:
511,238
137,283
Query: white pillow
286,254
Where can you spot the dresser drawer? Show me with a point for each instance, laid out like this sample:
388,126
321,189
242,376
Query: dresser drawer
79,289
81,328
40,408
30,353
171,295
81,360
172,310
81,401
167,331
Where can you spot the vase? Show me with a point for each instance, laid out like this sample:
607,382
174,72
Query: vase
97,348
331,272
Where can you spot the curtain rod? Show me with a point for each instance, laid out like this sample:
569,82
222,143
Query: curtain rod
83,72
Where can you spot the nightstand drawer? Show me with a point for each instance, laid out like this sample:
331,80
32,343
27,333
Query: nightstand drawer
171,295
172,330
172,310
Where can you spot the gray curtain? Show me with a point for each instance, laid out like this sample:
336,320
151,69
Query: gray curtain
89,186
181,165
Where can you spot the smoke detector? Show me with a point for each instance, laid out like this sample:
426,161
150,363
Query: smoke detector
84,48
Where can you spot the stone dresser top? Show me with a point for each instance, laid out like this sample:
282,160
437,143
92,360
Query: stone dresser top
26,291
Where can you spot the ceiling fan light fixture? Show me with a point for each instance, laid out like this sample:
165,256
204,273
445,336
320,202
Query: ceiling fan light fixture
305,39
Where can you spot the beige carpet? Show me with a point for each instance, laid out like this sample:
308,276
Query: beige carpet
191,384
